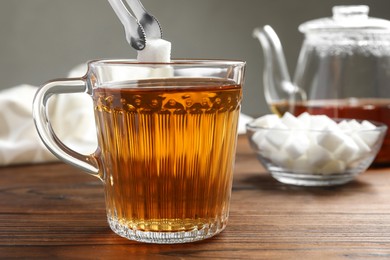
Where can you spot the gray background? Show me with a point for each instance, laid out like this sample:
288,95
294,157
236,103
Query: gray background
44,39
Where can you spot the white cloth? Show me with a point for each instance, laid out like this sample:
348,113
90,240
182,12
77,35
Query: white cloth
19,143
71,116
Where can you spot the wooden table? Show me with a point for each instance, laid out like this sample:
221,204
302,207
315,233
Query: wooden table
53,211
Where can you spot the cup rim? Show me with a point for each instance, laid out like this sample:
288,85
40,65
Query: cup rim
176,62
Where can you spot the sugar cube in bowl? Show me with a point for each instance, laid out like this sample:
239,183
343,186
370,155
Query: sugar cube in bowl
314,150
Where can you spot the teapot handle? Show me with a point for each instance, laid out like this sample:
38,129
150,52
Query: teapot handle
278,86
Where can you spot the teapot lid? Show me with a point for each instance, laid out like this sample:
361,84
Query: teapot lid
352,17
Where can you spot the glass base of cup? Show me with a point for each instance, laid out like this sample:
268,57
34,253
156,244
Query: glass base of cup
167,237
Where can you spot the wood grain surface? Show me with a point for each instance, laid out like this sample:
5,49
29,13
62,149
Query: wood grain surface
54,211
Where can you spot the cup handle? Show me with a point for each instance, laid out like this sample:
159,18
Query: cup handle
88,163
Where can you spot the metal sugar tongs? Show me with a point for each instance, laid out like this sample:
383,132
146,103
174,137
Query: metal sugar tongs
138,28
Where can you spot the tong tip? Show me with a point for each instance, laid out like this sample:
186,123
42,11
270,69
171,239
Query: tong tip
137,41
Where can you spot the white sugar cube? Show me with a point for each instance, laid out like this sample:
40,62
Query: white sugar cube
347,150
258,137
322,122
369,137
297,144
156,50
333,166
161,72
267,150
318,156
354,124
304,118
278,135
343,125
302,165
291,121
363,147
264,147
367,125
266,121
280,158
330,140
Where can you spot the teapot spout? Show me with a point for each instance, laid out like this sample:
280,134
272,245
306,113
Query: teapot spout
280,93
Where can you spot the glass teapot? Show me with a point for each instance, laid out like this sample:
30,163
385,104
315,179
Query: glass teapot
343,69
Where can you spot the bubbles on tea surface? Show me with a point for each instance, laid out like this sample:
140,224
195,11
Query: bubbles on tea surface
171,102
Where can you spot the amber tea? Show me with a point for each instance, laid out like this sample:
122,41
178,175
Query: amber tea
169,153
